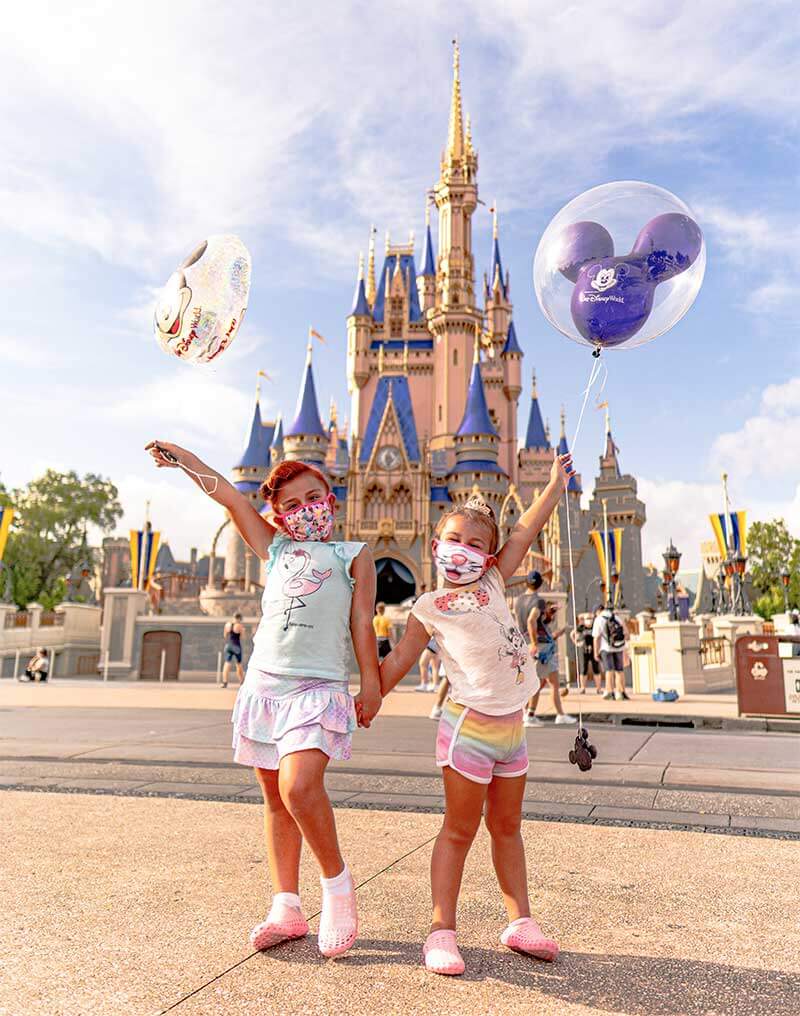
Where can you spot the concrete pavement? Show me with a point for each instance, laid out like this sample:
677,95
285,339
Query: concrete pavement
118,906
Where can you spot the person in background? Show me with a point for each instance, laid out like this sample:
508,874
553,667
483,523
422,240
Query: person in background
794,629
609,638
584,640
545,652
383,630
38,666
233,649
428,667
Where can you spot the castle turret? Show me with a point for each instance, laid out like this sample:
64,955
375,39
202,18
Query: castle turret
477,446
609,464
276,447
574,485
358,335
306,439
427,278
498,305
536,456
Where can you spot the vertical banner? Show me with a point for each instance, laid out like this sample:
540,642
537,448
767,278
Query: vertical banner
6,516
720,532
612,539
738,532
144,550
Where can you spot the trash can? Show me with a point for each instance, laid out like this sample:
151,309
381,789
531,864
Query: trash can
767,682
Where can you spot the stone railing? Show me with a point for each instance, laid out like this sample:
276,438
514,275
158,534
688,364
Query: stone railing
52,619
714,651
17,619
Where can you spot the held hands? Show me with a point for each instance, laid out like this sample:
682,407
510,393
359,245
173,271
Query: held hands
368,702
562,469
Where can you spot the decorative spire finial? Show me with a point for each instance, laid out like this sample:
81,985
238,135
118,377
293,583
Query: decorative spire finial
333,411
563,422
427,211
371,267
360,265
494,220
534,394
455,139
388,241
476,353
468,140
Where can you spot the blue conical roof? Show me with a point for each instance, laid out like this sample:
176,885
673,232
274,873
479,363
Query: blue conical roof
307,419
277,437
360,305
257,451
536,436
429,266
476,414
511,346
497,263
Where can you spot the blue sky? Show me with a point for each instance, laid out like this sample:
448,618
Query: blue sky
130,132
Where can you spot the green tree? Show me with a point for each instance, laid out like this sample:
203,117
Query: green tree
771,547
48,534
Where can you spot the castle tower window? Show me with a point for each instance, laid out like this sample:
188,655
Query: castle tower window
401,503
455,357
373,498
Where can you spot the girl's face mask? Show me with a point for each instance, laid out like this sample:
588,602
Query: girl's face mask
313,521
458,563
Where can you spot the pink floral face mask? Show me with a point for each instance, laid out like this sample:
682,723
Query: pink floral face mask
313,521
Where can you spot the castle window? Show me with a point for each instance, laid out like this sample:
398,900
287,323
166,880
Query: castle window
440,412
455,357
401,503
373,498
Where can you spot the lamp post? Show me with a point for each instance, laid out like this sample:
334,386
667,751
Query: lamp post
740,565
785,576
672,560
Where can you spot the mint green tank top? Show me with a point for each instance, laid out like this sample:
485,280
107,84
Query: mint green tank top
305,610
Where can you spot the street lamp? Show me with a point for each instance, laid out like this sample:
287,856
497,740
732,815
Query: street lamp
672,560
739,566
785,576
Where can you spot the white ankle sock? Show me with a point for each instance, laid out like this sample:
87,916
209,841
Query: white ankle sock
286,900
339,885
519,920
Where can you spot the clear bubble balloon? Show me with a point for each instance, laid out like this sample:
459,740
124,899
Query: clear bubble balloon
619,265
200,309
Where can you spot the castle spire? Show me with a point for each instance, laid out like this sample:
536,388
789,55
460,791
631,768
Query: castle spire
609,463
428,266
256,453
476,413
371,268
574,485
497,279
455,135
537,435
468,141
360,303
307,419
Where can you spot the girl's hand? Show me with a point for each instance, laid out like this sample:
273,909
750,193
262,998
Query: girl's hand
368,702
562,469
157,449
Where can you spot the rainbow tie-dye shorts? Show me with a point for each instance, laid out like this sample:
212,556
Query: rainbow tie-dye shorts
479,746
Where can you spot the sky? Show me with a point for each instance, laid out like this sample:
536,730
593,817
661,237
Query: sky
131,132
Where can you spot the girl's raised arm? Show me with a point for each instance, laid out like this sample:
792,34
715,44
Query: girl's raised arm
256,532
533,520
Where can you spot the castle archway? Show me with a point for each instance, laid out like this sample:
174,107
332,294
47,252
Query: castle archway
395,580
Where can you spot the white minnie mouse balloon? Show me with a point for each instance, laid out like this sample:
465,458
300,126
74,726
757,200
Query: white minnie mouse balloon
200,310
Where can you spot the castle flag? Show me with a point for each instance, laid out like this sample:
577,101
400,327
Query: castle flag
144,550
6,515
614,539
738,532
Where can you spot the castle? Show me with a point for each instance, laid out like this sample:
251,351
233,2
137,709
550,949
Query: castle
435,381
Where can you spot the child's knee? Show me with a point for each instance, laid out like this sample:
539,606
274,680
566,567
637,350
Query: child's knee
300,792
460,831
503,825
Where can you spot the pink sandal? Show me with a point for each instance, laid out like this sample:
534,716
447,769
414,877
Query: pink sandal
282,923
524,935
441,954
338,925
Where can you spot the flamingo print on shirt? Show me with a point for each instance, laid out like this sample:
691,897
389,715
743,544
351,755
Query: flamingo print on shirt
301,580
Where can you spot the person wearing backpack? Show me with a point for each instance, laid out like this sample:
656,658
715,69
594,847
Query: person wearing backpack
608,634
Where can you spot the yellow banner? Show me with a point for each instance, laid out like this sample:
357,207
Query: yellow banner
144,551
6,515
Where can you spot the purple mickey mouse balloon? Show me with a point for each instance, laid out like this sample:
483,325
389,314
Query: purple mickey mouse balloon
611,301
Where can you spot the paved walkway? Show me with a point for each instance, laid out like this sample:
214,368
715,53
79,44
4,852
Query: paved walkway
728,782
117,906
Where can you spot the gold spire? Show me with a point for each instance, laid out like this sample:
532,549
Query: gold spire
468,141
411,238
371,268
427,211
455,137
360,265
333,411
563,422
476,355
547,430
494,220
534,394
388,241
259,375
608,420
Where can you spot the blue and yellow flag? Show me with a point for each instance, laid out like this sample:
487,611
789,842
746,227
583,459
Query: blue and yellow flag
614,538
736,534
144,550
6,515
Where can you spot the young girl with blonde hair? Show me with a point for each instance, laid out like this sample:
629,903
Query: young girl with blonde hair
480,745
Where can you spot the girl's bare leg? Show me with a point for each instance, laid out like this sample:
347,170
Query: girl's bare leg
301,782
552,680
503,820
463,806
442,692
283,838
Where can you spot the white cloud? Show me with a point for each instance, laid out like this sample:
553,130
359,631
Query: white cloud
765,447
20,352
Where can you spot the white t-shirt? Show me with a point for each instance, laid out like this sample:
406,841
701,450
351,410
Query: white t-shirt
600,630
486,658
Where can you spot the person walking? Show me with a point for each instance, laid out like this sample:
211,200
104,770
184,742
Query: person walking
584,640
383,630
545,652
794,629
609,637
233,632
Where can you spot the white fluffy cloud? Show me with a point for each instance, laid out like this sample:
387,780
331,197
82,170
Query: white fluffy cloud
765,447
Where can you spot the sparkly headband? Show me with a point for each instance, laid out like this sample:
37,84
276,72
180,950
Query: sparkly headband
477,504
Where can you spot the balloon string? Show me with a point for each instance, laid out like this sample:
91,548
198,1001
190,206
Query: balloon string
594,374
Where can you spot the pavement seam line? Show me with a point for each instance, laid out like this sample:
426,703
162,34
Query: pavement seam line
250,956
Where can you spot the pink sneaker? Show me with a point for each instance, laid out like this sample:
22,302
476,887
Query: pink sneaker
441,954
282,924
525,936
338,925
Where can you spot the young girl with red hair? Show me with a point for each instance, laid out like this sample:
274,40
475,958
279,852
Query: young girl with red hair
294,712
